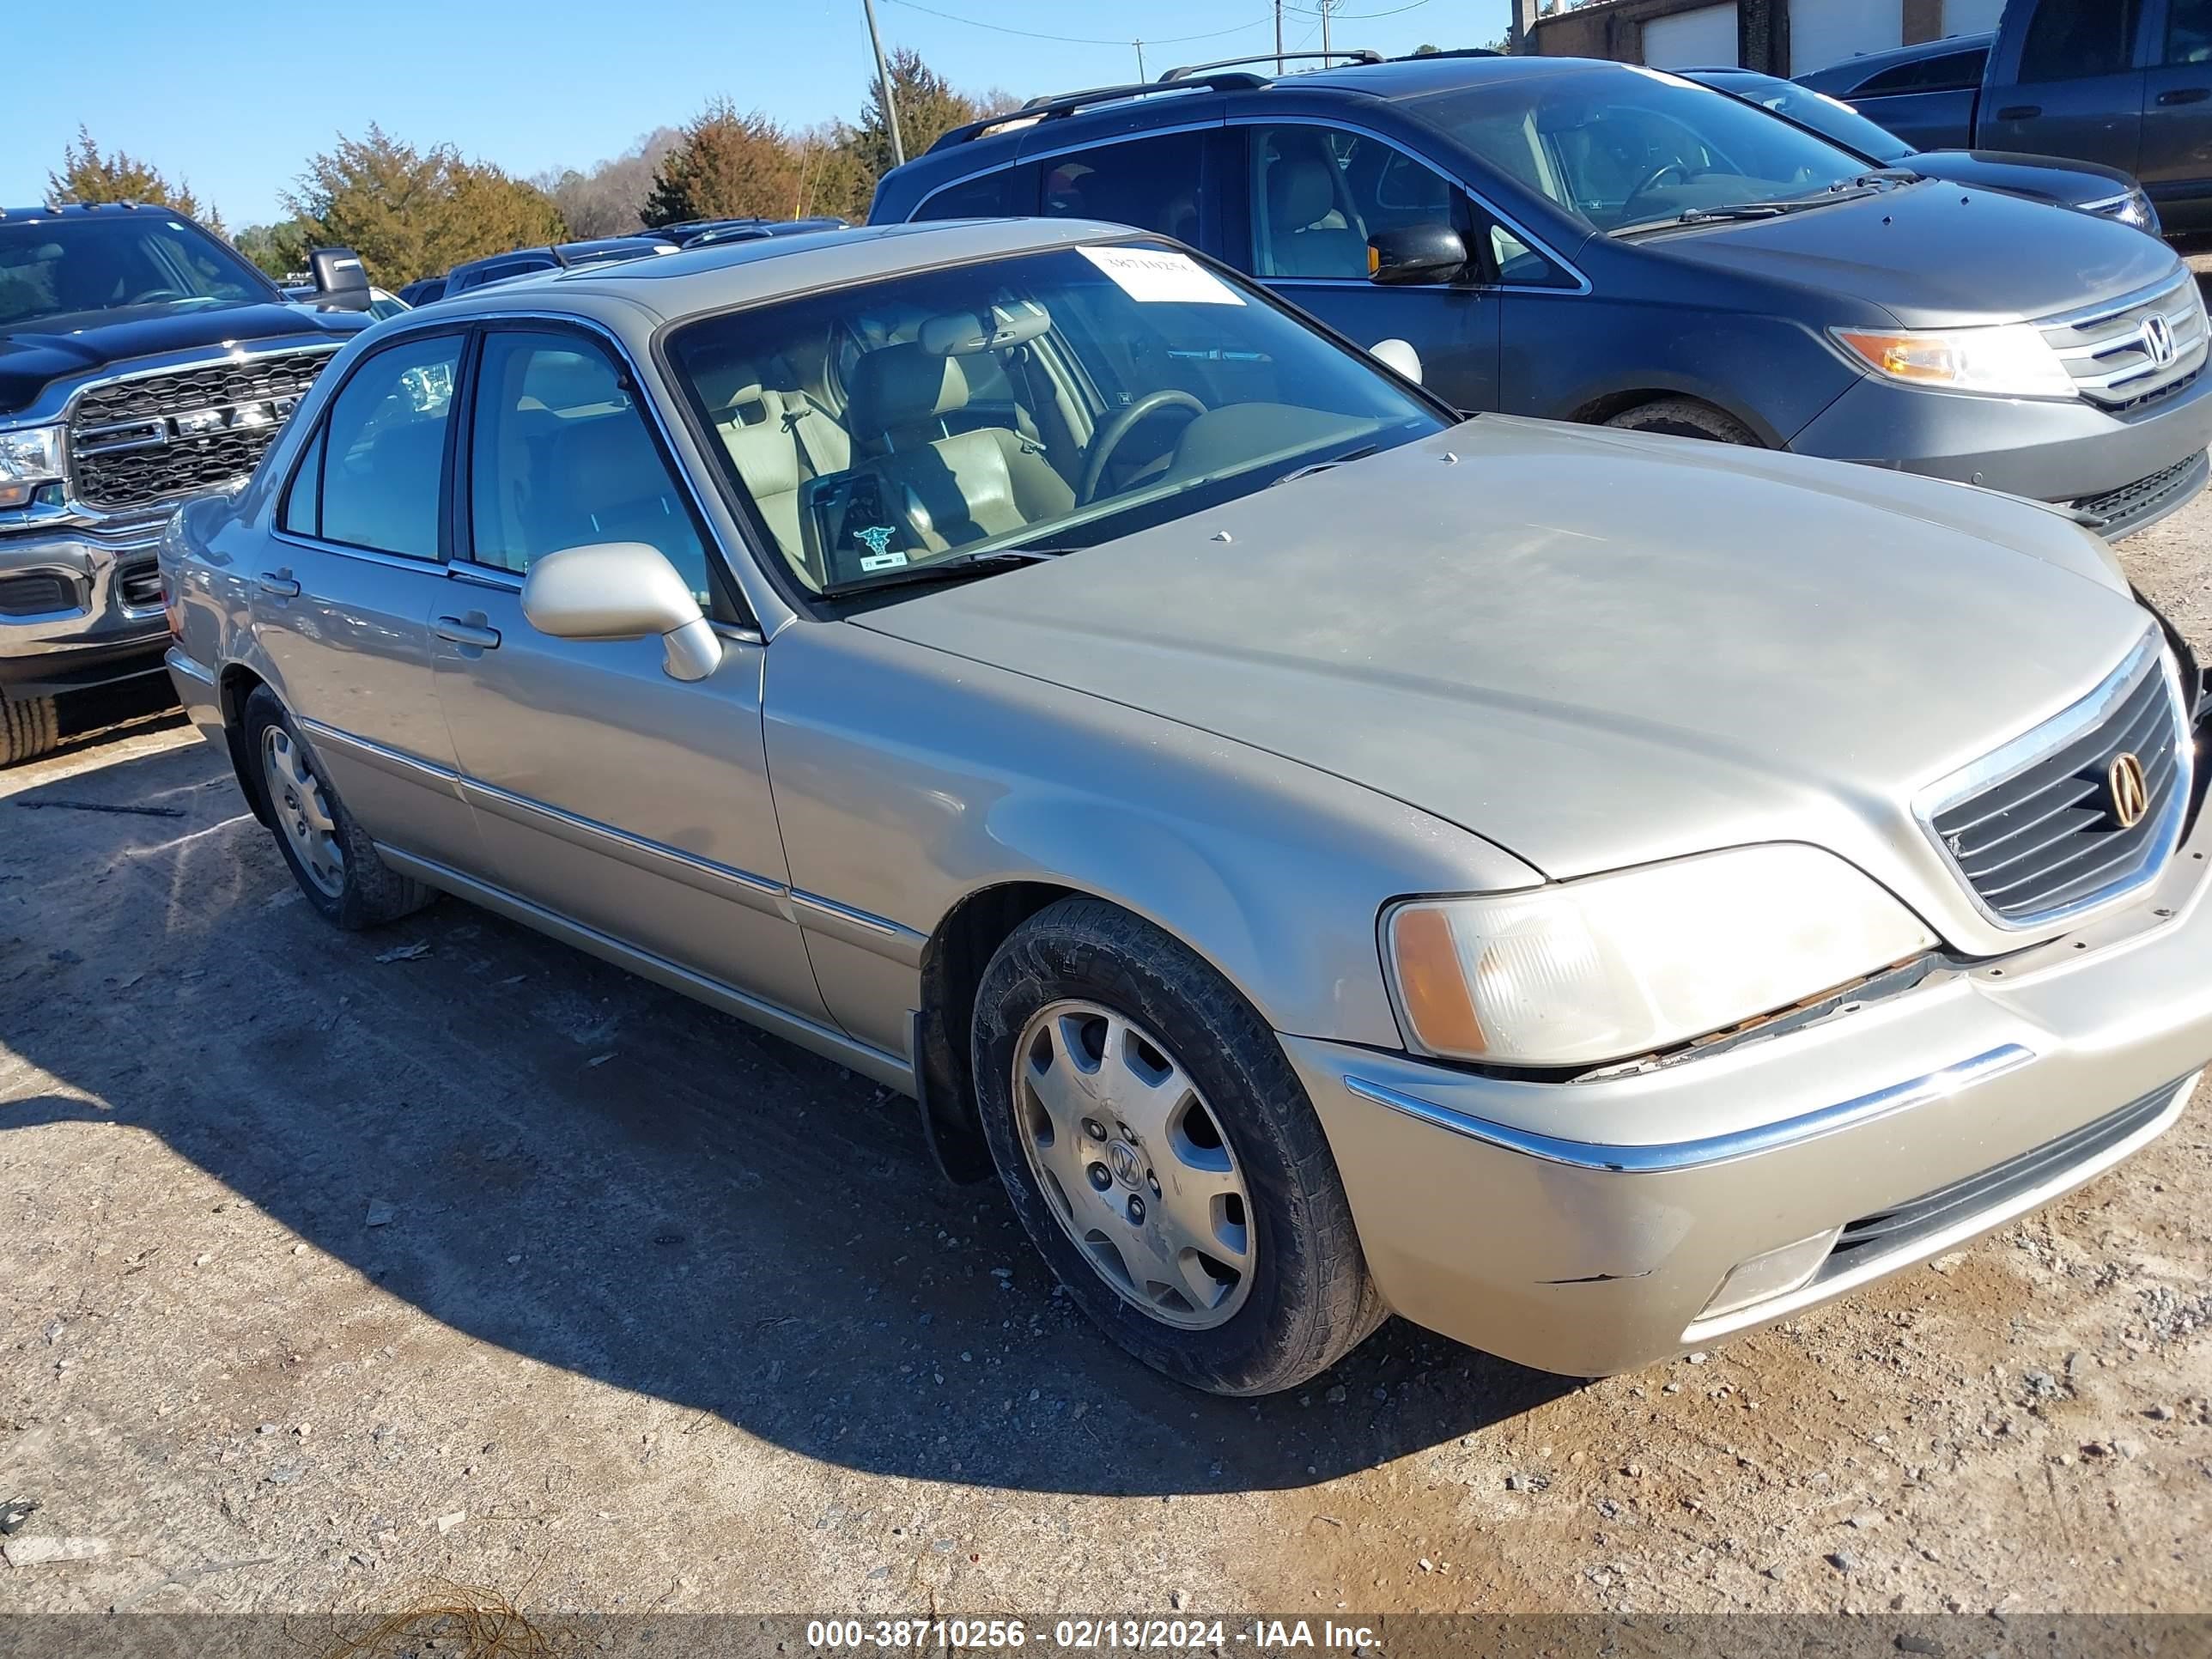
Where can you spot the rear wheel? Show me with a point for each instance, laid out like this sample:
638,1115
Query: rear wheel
335,863
1162,1156
1686,417
29,726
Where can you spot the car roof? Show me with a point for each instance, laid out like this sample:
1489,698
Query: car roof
91,210
723,275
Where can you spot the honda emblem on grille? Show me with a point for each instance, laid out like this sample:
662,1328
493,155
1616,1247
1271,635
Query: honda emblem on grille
2127,791
2158,340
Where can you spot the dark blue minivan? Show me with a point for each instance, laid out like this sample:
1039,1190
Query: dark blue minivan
1606,243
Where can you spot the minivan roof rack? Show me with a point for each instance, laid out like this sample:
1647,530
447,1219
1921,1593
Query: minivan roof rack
1357,54
1052,105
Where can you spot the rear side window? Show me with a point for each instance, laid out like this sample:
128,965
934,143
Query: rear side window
986,195
383,450
2188,32
1150,182
2072,40
1954,71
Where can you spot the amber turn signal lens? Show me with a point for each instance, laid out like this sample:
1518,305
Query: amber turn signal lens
1431,987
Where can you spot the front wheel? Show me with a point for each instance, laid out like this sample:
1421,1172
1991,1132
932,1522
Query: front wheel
1162,1156
29,727
1686,417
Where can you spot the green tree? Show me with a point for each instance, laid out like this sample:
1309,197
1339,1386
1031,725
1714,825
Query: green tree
728,164
278,250
928,107
88,174
412,213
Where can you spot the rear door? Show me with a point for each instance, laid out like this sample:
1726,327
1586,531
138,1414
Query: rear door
2177,134
2067,79
348,581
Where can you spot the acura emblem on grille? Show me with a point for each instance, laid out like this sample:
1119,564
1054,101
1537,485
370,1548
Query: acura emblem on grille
2158,340
2127,791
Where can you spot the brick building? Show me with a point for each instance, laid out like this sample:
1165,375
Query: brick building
1782,37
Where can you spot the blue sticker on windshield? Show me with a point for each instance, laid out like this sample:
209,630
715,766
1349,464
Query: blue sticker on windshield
878,540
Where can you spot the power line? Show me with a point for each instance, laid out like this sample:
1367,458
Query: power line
1352,17
1075,39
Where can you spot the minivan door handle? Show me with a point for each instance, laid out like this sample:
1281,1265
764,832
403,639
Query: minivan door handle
2020,112
467,631
278,585
2184,96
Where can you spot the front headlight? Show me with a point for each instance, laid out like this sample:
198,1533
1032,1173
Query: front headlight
2133,209
29,456
1622,964
2011,360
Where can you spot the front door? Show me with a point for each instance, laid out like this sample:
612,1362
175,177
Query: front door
608,793
2177,133
2072,86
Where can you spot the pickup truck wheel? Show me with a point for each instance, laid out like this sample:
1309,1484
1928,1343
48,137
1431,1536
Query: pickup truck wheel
1686,417
1162,1156
335,863
29,726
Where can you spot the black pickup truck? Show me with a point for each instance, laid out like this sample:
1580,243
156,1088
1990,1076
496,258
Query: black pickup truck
142,362
2126,83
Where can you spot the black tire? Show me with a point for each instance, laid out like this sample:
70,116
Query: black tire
1686,417
373,893
29,727
1311,1300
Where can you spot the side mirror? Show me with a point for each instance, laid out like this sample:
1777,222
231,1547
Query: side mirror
1398,355
1416,253
622,591
339,278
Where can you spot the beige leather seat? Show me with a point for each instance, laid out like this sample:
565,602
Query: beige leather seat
951,488
1309,231
778,441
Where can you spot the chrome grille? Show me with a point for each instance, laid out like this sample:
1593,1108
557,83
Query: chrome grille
2128,349
150,438
2035,831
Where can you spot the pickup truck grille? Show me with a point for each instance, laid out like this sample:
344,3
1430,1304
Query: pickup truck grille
152,438
2056,831
2128,350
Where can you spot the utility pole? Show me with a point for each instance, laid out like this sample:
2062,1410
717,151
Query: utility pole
1279,36
1141,60
1324,5
883,87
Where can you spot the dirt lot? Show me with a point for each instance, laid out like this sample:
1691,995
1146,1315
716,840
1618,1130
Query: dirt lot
334,1266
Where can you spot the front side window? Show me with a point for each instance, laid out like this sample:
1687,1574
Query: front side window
559,456
1050,402
1632,148
382,452
2071,39
55,271
1318,193
1150,182
2188,32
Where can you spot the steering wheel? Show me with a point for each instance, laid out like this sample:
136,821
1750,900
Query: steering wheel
151,295
1109,437
1657,173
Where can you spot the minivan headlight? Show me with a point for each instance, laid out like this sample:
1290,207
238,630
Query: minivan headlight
1620,964
2011,360
29,456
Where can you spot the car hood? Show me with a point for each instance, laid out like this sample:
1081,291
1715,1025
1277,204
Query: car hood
33,356
1593,649
1936,254
2070,183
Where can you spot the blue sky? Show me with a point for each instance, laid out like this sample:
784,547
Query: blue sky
234,97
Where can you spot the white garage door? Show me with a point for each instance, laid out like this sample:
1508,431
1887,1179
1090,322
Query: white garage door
1971,17
1825,32
1692,39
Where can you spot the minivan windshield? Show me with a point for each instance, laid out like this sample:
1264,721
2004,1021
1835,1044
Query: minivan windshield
1827,116
962,419
59,268
1626,148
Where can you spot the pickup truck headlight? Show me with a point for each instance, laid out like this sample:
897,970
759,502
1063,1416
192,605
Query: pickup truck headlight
1622,964
2011,360
29,456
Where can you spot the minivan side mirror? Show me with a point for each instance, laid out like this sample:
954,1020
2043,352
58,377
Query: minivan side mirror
622,591
1416,253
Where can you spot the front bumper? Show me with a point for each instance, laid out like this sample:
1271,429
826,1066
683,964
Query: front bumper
2073,452
79,607
1589,1228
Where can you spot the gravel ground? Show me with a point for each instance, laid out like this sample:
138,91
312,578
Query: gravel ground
335,1267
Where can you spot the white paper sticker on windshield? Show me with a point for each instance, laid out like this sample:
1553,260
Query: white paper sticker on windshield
1155,276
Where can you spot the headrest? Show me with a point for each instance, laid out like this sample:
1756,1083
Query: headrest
1298,193
1012,323
898,387
767,459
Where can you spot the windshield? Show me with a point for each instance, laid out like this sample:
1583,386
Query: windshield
1052,400
1816,110
65,267
1624,147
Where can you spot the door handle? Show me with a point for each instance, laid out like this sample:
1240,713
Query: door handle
2184,96
469,630
2020,112
278,585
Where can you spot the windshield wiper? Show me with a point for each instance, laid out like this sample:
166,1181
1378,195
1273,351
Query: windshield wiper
1298,472
957,568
